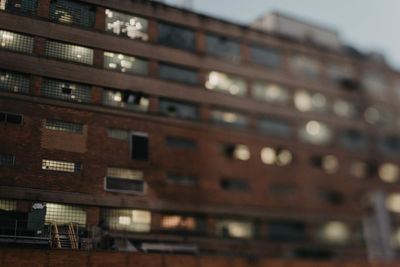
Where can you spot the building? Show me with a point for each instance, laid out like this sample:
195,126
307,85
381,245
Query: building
155,129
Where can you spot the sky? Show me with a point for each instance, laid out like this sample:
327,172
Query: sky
369,25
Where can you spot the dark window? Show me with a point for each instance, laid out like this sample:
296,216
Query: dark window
64,126
176,36
177,74
333,197
353,139
180,142
139,146
26,7
6,160
389,145
14,82
66,90
265,56
178,179
72,13
10,118
314,254
235,185
282,190
180,110
223,47
124,185
275,127
284,230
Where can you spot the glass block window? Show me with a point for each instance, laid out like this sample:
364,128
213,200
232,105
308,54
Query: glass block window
118,134
389,145
66,90
176,36
353,139
26,7
179,179
346,109
6,160
222,46
65,214
180,142
334,233
64,126
305,65
265,56
178,223
125,63
270,92
228,118
275,127
126,99
16,42
126,220
172,108
61,166
235,228
7,204
225,83
10,118
126,25
234,185
124,180
305,101
69,52
375,83
72,13
177,74
316,133
14,82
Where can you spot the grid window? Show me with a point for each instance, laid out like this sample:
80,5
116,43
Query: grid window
118,134
222,46
63,126
265,56
72,13
126,25
65,214
66,90
10,118
126,99
177,74
125,173
176,36
172,108
270,92
124,180
126,219
14,82
125,63
27,7
225,83
178,179
16,42
228,118
6,204
304,65
62,166
69,52
275,127
306,101
6,160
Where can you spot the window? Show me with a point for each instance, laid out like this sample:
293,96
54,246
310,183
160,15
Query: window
275,127
389,172
26,7
176,36
177,74
183,223
393,202
374,82
286,230
307,101
340,72
225,83
180,142
63,126
69,52
331,196
139,146
305,65
334,233
10,118
16,42
389,145
126,99
265,56
328,163
223,47
346,109
72,13
7,204
234,185
379,115
172,108
7,160
61,166
278,156
282,190
66,90
316,133
126,220
125,63
228,228
126,25
65,214
353,139
118,134
361,170
238,151
124,180
228,118
270,92
14,82
179,179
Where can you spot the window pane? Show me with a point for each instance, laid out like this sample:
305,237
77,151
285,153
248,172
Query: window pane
223,47
337,72
180,110
14,82
304,65
124,180
178,179
72,13
27,7
178,223
225,83
139,146
334,232
6,204
69,52
346,109
228,118
316,133
235,185
177,74
379,115
118,134
6,160
353,139
270,92
176,36
374,82
126,220
66,90
389,145
62,166
308,101
124,63
16,42
180,142
275,127
235,228
265,56
126,25
12,118
65,214
285,230
126,99
64,126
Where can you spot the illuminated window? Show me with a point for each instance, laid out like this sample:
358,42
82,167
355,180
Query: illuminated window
118,134
225,83
16,42
179,179
335,233
66,90
389,172
279,156
234,185
139,146
374,82
180,142
235,228
275,127
239,151
304,65
177,223
222,46
64,126
14,82
286,230
353,139
389,145
176,36
328,163
69,52
316,133
270,92
395,238
308,101
228,118
125,63
9,118
72,13
379,115
346,109
124,180
177,109
126,25
61,166
393,202
6,160
6,204
177,74
265,56
126,99
65,214
26,7
126,220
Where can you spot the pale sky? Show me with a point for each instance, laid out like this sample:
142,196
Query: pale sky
364,24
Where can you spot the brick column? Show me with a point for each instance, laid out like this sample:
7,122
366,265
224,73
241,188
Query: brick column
100,19
244,49
39,46
24,206
211,226
153,31
92,216
43,8
97,95
200,42
201,77
154,105
35,85
252,120
205,113
98,58
153,69
156,222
